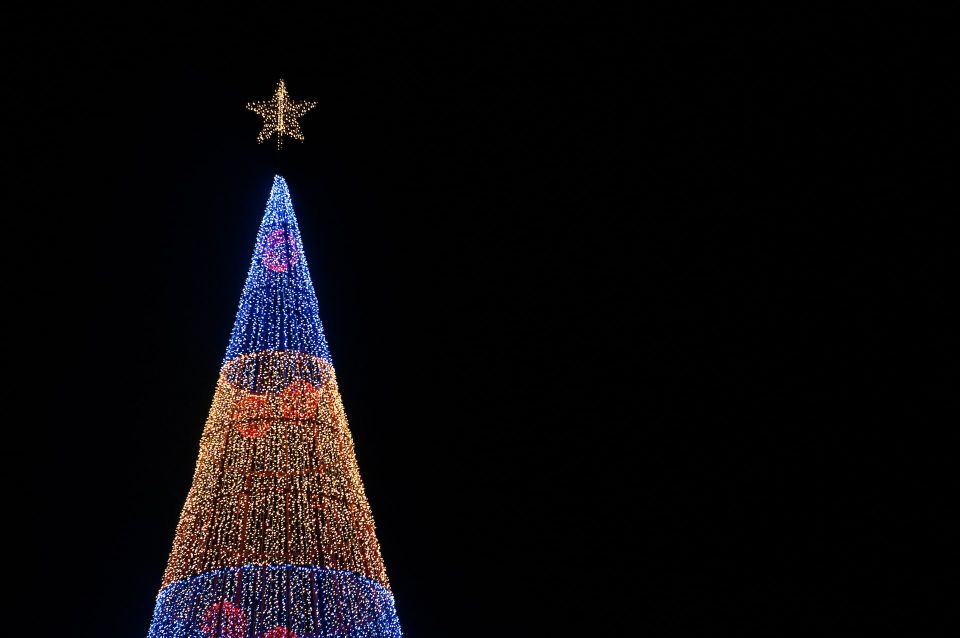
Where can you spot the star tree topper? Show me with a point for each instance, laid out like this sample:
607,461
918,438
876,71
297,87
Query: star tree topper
280,115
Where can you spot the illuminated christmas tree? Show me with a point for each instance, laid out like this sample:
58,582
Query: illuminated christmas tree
276,539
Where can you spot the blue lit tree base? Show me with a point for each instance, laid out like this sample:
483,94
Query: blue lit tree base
275,601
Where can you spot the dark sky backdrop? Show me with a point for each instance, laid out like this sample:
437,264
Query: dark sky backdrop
601,291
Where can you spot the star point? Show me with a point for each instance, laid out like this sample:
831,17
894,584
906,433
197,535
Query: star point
280,115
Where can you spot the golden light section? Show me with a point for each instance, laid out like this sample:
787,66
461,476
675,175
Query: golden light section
277,479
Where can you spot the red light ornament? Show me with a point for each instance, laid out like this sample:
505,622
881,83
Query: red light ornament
280,251
253,415
223,620
300,400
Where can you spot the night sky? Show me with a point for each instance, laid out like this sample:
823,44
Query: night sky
612,299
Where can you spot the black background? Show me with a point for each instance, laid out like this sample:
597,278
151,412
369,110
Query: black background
621,305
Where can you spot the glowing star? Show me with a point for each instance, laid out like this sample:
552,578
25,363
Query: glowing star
280,115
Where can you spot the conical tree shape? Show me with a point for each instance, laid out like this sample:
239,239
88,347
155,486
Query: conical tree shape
276,539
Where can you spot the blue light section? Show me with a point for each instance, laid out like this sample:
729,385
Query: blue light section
278,308
275,600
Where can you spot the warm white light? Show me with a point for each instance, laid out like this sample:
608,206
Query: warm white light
280,115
